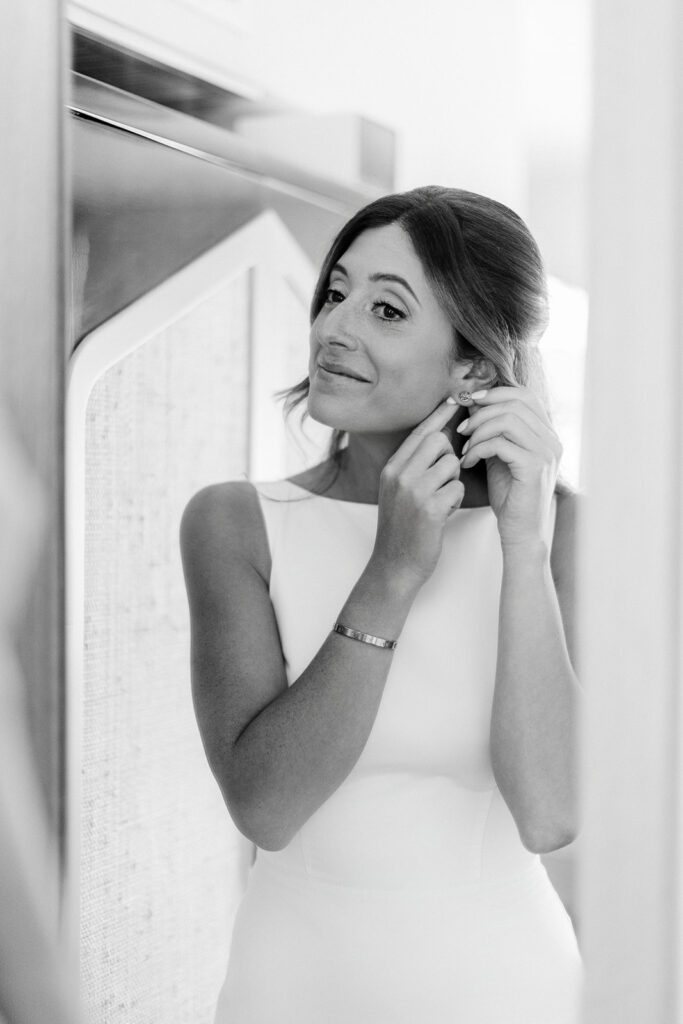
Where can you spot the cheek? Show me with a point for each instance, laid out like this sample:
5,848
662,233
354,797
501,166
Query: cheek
314,343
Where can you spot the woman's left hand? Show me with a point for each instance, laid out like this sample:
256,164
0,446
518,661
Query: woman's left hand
510,429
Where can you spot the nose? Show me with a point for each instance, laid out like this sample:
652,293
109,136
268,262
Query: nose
340,326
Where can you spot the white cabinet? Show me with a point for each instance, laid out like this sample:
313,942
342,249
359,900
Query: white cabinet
211,39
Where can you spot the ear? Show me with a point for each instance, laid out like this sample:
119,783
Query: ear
473,374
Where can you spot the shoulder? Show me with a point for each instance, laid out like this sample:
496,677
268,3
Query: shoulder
218,509
223,521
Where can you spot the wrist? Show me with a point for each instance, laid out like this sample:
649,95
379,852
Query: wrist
380,602
532,550
400,584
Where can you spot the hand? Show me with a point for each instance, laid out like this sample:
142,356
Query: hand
419,488
510,429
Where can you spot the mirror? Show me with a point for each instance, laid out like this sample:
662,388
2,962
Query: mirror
198,234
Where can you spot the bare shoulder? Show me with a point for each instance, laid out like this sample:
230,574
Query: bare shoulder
223,520
237,663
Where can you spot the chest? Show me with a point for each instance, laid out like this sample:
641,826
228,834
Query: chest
436,706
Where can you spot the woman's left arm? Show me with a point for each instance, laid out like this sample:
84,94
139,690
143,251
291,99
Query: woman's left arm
537,696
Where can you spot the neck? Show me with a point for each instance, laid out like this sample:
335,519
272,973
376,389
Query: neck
364,458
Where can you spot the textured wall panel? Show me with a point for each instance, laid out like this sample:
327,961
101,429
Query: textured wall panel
162,864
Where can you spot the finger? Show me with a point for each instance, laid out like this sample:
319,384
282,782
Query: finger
511,427
436,419
432,423
430,449
445,469
507,451
450,496
507,410
509,394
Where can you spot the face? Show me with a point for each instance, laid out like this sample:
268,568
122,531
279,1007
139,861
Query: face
381,322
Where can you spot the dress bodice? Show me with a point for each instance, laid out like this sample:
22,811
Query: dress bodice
420,807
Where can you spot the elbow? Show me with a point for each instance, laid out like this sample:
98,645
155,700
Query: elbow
273,843
265,837
260,828
548,840
250,807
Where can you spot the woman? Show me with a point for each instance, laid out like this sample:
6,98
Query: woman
379,646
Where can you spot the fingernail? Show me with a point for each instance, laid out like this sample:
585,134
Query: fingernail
463,426
479,394
465,447
450,400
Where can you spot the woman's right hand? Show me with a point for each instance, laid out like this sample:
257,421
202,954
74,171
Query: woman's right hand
419,488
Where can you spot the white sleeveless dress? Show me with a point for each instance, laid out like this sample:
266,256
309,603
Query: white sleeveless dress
408,896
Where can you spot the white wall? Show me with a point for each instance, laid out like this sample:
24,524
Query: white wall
445,77
631,566
489,95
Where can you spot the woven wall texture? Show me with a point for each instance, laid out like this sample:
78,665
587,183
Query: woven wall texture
162,864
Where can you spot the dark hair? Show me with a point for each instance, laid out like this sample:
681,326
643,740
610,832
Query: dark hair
486,271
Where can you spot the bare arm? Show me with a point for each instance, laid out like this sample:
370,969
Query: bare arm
277,752
295,752
537,694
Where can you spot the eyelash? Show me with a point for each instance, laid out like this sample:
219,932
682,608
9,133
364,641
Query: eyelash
400,315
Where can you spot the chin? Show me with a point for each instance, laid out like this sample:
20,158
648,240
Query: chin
322,410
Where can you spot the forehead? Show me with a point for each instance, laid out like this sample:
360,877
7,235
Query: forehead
388,250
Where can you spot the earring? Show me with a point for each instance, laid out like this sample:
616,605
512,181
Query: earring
464,397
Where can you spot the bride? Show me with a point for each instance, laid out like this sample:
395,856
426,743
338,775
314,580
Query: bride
382,646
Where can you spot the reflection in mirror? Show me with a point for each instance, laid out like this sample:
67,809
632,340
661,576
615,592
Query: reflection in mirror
407,784
388,827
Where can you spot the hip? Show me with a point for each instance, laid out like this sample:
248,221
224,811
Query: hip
496,952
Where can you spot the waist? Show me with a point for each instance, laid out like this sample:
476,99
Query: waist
404,831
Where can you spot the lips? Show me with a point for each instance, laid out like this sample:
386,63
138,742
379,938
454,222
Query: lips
343,371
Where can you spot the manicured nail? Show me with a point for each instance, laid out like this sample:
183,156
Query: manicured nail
479,394
465,425
450,400
465,447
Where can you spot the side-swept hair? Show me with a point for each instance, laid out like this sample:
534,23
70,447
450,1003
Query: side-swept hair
486,271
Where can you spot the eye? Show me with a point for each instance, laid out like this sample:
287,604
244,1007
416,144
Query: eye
390,312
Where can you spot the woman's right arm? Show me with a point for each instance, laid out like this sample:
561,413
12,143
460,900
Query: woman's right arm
279,752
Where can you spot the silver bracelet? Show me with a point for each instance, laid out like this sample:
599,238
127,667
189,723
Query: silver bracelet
366,638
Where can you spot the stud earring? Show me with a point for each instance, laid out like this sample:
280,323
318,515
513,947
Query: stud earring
464,397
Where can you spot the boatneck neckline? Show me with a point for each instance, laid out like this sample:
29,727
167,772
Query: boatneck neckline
366,504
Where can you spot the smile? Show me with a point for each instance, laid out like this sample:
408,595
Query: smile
329,375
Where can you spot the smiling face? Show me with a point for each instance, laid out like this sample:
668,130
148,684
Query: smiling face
380,321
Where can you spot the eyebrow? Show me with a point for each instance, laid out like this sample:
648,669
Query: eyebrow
382,277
